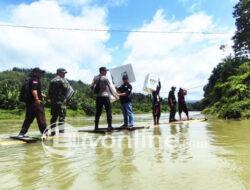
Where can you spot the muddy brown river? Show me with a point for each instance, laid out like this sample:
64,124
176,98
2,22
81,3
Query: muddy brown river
214,154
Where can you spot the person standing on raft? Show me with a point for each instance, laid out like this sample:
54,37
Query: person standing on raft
156,104
31,94
182,107
125,94
102,88
58,89
172,104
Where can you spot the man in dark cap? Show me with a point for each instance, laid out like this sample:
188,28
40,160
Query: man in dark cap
125,94
172,104
58,89
33,102
102,88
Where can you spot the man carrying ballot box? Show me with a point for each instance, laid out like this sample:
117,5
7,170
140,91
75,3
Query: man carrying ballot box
156,104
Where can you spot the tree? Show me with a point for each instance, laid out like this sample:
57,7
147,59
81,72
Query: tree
242,36
11,81
227,93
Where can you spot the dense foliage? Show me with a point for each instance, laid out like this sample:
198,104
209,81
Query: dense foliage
227,93
83,100
242,35
228,90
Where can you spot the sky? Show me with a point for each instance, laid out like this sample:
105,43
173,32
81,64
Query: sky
181,60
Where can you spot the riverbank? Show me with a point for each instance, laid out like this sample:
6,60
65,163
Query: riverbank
80,114
227,94
18,114
231,114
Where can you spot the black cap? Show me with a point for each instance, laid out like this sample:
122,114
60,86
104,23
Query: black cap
125,77
38,70
103,69
61,70
173,87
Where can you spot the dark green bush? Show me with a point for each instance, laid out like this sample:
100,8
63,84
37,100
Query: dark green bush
228,96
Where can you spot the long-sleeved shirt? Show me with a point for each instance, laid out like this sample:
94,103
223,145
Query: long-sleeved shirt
58,89
156,96
171,98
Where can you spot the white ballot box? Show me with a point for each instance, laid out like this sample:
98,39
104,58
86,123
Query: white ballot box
118,72
111,97
150,83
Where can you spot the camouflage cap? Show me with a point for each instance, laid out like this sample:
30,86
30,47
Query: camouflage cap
61,70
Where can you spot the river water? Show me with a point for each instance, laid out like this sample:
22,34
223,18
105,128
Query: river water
214,154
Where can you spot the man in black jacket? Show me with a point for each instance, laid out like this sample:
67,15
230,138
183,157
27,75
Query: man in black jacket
172,104
182,107
34,106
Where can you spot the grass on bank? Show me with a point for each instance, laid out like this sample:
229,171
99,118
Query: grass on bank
19,114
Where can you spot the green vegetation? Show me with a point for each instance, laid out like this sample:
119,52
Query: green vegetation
227,93
82,103
242,36
18,114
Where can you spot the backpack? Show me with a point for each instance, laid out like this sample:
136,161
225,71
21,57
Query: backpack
96,88
25,91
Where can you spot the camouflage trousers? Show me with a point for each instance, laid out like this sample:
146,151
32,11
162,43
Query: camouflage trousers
58,112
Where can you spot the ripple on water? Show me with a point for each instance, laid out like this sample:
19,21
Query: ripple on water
222,164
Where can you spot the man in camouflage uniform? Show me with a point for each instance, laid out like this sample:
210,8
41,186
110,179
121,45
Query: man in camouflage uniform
58,89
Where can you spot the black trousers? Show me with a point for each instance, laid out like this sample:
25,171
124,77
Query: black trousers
34,111
156,113
58,111
183,108
172,112
100,102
